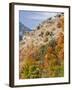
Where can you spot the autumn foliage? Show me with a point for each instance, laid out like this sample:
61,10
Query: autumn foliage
46,60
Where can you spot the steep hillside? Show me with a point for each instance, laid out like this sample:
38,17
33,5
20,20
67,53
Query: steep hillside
42,50
22,29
